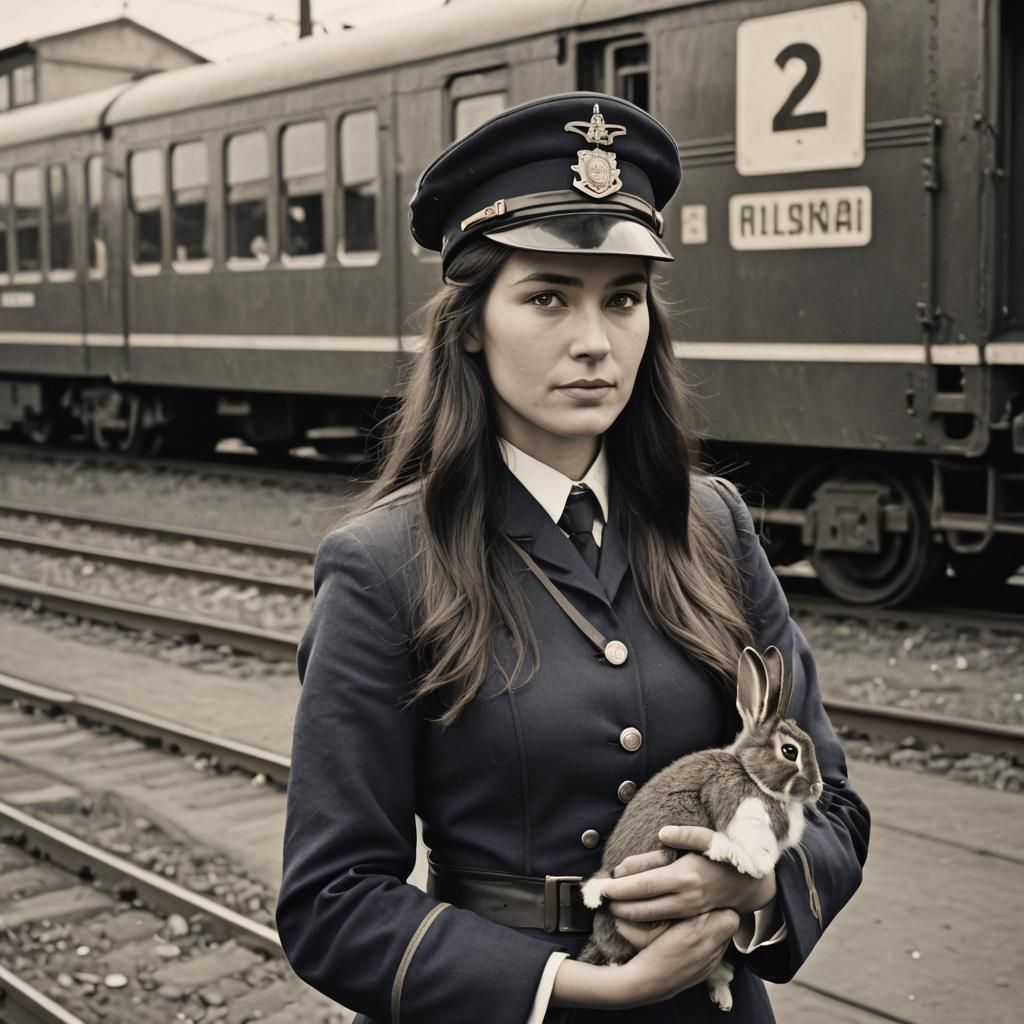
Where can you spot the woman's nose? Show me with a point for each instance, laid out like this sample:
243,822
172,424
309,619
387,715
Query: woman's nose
590,338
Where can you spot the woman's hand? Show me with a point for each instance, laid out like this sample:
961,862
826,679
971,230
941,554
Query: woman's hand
646,887
679,958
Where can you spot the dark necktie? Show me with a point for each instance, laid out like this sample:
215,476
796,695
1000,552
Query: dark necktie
578,521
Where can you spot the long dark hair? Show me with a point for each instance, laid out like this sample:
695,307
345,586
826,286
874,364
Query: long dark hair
444,439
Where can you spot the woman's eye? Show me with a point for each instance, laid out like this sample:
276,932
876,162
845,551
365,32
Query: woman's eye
624,300
547,300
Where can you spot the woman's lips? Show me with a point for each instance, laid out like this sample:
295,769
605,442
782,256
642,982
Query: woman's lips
587,391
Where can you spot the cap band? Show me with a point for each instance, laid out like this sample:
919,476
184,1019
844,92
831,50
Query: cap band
539,200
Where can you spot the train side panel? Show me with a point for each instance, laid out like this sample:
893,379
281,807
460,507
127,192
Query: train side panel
807,332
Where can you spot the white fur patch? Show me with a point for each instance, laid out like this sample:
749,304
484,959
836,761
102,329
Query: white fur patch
718,985
748,842
797,821
592,891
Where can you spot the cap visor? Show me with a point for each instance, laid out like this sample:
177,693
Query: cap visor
603,233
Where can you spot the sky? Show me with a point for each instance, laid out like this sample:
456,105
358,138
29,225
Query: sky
215,29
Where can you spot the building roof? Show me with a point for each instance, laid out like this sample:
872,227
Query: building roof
34,40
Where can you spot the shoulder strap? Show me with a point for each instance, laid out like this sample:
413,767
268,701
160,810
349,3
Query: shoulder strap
613,651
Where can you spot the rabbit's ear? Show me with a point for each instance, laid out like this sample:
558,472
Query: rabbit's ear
774,706
751,688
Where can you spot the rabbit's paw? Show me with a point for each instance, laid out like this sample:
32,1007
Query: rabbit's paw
718,986
754,862
591,891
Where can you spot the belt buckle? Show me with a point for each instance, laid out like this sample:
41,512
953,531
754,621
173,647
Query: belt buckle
552,900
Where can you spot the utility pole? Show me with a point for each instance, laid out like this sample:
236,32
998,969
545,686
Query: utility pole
305,19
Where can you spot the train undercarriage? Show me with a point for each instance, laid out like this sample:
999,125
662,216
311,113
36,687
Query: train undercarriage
878,527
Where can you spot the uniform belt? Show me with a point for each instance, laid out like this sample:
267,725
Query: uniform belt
552,903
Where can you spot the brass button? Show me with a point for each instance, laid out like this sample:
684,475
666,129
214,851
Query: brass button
590,838
630,739
627,791
615,652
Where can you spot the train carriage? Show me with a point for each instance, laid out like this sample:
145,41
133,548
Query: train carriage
849,240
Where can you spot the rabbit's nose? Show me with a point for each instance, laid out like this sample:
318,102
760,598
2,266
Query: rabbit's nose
817,789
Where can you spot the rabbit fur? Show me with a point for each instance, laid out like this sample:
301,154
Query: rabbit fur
751,794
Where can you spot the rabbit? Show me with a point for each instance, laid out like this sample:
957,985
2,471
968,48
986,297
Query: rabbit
752,794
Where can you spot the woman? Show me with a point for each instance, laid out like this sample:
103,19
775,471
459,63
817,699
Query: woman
443,677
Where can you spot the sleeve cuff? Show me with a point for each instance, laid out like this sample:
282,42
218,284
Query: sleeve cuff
763,927
547,983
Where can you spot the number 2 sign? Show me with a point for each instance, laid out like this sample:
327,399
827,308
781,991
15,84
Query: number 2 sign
800,90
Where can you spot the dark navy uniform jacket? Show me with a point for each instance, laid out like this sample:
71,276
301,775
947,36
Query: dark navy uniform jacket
514,784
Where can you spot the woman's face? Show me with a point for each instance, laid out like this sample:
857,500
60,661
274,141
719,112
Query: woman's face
562,336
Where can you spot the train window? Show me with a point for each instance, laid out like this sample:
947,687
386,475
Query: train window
23,84
5,206
475,97
248,184
189,188
28,196
303,173
60,217
471,111
93,207
146,175
359,169
617,66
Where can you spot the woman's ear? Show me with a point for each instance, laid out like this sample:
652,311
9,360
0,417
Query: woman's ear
471,343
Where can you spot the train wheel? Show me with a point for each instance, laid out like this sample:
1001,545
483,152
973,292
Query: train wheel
128,432
50,425
906,563
39,429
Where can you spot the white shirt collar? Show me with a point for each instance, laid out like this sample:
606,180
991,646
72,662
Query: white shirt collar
549,486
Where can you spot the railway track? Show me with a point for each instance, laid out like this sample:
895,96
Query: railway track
92,936
192,557
955,735
210,555
106,915
310,469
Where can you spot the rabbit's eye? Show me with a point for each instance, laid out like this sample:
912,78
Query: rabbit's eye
789,752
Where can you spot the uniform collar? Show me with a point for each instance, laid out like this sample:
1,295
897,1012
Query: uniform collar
532,525
551,488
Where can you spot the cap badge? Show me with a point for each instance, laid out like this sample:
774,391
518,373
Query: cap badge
598,171
595,130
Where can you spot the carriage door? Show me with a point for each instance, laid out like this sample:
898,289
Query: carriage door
101,300
1012,159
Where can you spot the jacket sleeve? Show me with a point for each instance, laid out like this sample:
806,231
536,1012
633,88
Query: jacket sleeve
349,923
816,879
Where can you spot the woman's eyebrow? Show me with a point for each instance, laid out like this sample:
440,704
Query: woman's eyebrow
574,282
546,278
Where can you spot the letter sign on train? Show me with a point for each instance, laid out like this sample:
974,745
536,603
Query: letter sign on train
800,80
